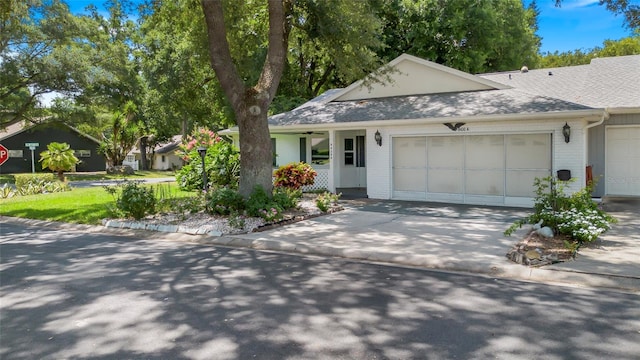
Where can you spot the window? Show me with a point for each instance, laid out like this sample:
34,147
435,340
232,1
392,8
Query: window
320,150
349,153
163,159
82,153
360,151
273,150
16,153
303,149
130,158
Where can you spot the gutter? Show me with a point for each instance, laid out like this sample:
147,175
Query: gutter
604,117
589,114
623,110
593,114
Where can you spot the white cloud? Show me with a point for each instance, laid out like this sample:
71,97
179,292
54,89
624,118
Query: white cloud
577,4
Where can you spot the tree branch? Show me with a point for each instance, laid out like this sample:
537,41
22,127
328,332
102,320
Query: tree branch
219,52
278,41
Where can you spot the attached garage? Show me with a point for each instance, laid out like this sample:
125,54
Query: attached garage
476,169
623,160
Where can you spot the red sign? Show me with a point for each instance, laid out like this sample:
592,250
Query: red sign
4,154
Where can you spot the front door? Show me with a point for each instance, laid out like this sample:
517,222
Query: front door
353,165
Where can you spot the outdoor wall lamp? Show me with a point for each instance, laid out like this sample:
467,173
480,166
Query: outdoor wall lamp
378,138
566,131
203,152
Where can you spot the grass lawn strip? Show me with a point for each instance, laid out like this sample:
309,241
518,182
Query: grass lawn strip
80,206
100,175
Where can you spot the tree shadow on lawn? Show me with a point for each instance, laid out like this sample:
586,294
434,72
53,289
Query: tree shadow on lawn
72,295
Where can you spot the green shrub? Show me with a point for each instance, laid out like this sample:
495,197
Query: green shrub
30,184
23,180
7,191
294,175
325,200
180,205
260,204
224,201
287,198
222,162
133,200
576,215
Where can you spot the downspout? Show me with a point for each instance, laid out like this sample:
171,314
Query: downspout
597,123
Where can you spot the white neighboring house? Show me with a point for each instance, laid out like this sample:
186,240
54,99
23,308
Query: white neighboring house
164,156
438,134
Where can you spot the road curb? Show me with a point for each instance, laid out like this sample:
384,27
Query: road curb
500,270
504,269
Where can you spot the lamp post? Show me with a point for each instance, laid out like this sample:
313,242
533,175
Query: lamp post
203,152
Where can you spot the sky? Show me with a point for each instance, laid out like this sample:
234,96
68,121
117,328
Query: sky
578,24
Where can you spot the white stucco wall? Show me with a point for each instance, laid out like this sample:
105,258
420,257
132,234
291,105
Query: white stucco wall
287,148
171,161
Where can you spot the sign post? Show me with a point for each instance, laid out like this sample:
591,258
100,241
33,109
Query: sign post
4,154
32,147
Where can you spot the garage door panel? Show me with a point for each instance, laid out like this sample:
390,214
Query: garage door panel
485,152
409,152
409,179
520,182
484,182
623,161
445,181
445,152
531,151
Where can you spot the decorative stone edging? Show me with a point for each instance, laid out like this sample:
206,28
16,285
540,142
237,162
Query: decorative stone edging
531,257
136,225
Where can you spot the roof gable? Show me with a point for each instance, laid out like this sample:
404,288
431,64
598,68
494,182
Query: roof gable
411,75
20,127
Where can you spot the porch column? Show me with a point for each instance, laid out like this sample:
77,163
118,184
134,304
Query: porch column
332,162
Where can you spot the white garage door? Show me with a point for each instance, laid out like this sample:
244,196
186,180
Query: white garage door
475,169
623,161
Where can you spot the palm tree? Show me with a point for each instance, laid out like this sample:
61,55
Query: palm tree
59,158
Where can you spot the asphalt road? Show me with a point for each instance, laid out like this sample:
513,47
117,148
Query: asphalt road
69,294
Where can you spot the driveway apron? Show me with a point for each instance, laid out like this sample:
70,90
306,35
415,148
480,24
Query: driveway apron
452,237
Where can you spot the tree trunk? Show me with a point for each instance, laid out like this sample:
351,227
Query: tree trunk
250,104
255,147
143,153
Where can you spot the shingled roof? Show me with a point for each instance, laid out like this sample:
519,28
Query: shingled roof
604,83
435,106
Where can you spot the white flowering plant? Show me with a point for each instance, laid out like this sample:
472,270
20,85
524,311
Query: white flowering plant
575,215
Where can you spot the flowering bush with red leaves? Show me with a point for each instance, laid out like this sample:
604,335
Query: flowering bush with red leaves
294,175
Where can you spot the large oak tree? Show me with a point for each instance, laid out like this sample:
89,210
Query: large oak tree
250,103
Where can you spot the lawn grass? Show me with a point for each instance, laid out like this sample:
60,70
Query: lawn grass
100,175
80,205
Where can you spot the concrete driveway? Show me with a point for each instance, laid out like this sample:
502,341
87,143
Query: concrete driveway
453,237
